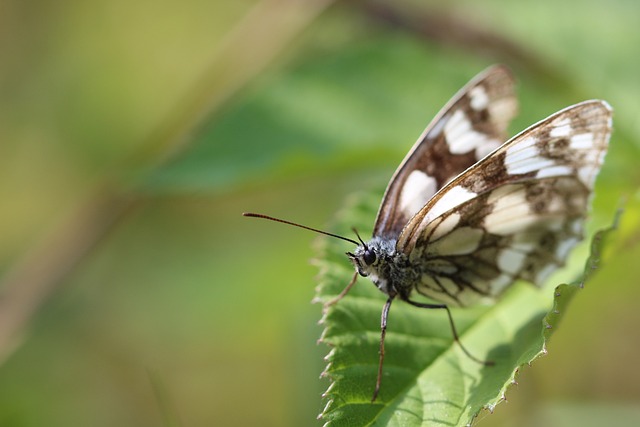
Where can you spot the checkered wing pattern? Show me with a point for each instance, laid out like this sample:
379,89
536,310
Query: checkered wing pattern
515,214
469,127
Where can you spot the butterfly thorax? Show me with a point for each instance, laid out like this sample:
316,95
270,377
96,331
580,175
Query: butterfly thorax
386,267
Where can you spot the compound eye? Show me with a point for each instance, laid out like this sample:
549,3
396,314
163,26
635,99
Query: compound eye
369,257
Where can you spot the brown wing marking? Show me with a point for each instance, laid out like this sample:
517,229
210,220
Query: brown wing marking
519,231
514,215
472,124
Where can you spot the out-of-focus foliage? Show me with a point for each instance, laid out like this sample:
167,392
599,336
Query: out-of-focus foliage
189,314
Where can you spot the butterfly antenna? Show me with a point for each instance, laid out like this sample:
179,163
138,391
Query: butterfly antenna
270,218
360,238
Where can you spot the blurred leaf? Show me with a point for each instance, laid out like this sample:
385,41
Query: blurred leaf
326,113
427,379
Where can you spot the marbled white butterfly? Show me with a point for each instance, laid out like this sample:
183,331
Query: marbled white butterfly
465,215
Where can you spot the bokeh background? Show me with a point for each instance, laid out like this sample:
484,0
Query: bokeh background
133,135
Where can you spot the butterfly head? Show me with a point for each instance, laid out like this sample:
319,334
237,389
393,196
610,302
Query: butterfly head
373,260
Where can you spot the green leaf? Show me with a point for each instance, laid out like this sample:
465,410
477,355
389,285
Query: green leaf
427,380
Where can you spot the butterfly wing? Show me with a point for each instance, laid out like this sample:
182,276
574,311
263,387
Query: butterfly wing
470,126
514,215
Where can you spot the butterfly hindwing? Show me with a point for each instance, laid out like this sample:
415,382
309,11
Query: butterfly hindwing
515,214
473,124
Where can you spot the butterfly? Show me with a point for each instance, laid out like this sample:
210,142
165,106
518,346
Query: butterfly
466,215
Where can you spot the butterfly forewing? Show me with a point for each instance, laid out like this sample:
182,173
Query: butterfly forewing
473,124
515,214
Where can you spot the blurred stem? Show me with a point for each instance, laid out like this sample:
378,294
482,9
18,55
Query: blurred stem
169,415
251,46
39,273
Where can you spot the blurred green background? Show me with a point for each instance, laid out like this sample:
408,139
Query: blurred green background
133,135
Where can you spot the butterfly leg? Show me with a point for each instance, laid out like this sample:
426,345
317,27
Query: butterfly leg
453,330
383,333
344,291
